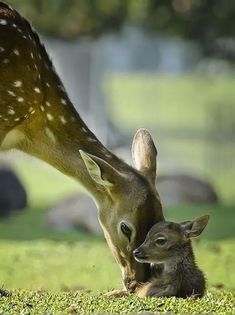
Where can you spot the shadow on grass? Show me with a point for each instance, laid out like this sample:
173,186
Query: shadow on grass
29,224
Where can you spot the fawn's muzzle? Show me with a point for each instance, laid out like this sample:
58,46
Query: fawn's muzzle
139,254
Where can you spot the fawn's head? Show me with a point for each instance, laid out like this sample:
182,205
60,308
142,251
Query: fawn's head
130,204
166,240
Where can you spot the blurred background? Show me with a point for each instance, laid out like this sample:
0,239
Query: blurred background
167,66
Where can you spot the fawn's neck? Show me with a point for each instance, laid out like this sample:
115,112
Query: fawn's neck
183,262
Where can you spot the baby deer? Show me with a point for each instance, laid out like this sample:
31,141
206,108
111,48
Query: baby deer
168,249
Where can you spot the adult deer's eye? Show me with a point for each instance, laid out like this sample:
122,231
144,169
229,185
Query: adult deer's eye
126,230
161,241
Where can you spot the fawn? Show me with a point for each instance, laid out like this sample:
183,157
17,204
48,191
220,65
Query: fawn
168,249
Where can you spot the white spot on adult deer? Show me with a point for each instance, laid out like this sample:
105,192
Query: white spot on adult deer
17,83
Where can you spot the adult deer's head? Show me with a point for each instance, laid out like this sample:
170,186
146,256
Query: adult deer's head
130,205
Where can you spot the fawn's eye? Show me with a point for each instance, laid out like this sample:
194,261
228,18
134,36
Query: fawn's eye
161,241
126,230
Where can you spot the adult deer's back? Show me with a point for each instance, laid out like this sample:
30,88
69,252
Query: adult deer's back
37,117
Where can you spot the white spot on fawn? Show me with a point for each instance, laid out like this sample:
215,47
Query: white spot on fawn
17,83
2,49
47,84
6,60
42,108
50,117
84,129
48,104
31,54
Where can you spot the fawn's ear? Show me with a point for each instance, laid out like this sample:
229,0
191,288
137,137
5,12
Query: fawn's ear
144,154
101,171
195,228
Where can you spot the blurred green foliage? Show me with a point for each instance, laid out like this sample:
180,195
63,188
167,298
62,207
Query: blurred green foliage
72,18
196,19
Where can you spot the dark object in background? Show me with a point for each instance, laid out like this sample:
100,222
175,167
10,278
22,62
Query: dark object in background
13,195
75,212
177,189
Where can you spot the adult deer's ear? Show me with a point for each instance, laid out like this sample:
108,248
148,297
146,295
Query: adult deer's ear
144,154
101,171
195,228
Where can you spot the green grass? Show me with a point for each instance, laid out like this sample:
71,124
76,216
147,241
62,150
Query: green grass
88,264
39,302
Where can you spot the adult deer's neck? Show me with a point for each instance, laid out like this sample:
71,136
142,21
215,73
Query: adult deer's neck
60,134
43,122
59,131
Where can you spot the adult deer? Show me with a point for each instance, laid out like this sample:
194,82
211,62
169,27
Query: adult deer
37,117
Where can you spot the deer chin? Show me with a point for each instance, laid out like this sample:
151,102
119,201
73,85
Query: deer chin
142,260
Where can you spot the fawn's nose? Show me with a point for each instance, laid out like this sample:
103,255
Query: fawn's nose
138,253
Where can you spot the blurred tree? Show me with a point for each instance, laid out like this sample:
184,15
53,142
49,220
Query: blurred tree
73,18
202,20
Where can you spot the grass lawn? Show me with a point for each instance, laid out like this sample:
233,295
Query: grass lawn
40,302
